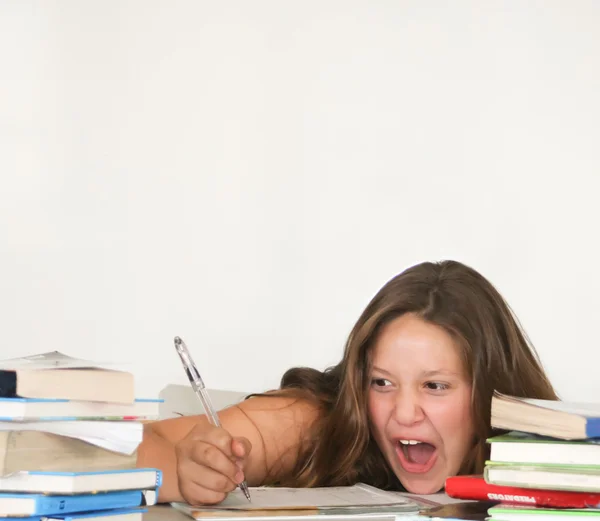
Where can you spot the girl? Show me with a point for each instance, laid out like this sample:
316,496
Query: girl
407,406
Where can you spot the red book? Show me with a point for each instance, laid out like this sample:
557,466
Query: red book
475,487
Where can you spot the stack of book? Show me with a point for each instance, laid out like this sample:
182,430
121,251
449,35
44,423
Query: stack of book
69,432
546,465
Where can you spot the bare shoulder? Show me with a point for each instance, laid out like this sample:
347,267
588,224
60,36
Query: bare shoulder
254,412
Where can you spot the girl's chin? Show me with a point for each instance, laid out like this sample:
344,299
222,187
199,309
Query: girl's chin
421,486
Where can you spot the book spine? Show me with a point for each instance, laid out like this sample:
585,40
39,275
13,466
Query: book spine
8,383
592,428
4,445
476,488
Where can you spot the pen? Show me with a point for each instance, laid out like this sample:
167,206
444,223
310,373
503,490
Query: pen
200,390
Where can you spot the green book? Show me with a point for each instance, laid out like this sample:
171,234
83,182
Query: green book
577,478
528,448
524,513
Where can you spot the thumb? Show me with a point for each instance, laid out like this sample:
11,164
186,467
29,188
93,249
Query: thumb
241,447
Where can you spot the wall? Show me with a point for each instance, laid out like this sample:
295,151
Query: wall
248,174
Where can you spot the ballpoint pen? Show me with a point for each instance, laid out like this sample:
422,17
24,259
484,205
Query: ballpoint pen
200,390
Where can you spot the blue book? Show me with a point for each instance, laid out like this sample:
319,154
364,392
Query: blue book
553,418
119,514
81,482
27,505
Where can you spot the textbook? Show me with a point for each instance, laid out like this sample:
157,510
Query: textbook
42,451
564,420
271,502
476,488
56,375
117,514
577,478
118,436
81,482
23,505
521,513
26,409
531,449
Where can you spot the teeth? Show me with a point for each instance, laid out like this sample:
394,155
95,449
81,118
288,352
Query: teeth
410,442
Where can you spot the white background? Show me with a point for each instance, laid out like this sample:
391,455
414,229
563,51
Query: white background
247,174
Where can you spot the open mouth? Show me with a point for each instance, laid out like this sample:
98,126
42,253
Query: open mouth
416,456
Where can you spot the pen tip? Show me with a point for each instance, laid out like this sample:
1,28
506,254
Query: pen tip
177,340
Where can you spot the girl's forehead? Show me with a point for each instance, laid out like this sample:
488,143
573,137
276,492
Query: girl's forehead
412,341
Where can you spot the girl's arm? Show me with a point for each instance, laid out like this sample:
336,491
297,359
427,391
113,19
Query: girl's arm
277,428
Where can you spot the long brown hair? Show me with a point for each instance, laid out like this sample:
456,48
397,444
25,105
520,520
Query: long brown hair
495,351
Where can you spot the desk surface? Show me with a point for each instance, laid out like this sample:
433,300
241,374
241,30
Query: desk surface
165,513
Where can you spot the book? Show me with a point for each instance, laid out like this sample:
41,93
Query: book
564,420
117,514
81,482
23,505
577,478
56,375
531,449
270,502
118,436
42,451
521,513
47,409
477,489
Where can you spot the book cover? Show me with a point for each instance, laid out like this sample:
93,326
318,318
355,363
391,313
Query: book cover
476,488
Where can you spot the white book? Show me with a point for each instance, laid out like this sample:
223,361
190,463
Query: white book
117,436
81,482
56,375
25,409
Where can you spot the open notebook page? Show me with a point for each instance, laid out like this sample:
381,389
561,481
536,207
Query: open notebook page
280,498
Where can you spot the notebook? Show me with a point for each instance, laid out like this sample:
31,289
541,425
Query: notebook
281,502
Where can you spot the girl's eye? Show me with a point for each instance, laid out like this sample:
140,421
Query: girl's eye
380,382
437,386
